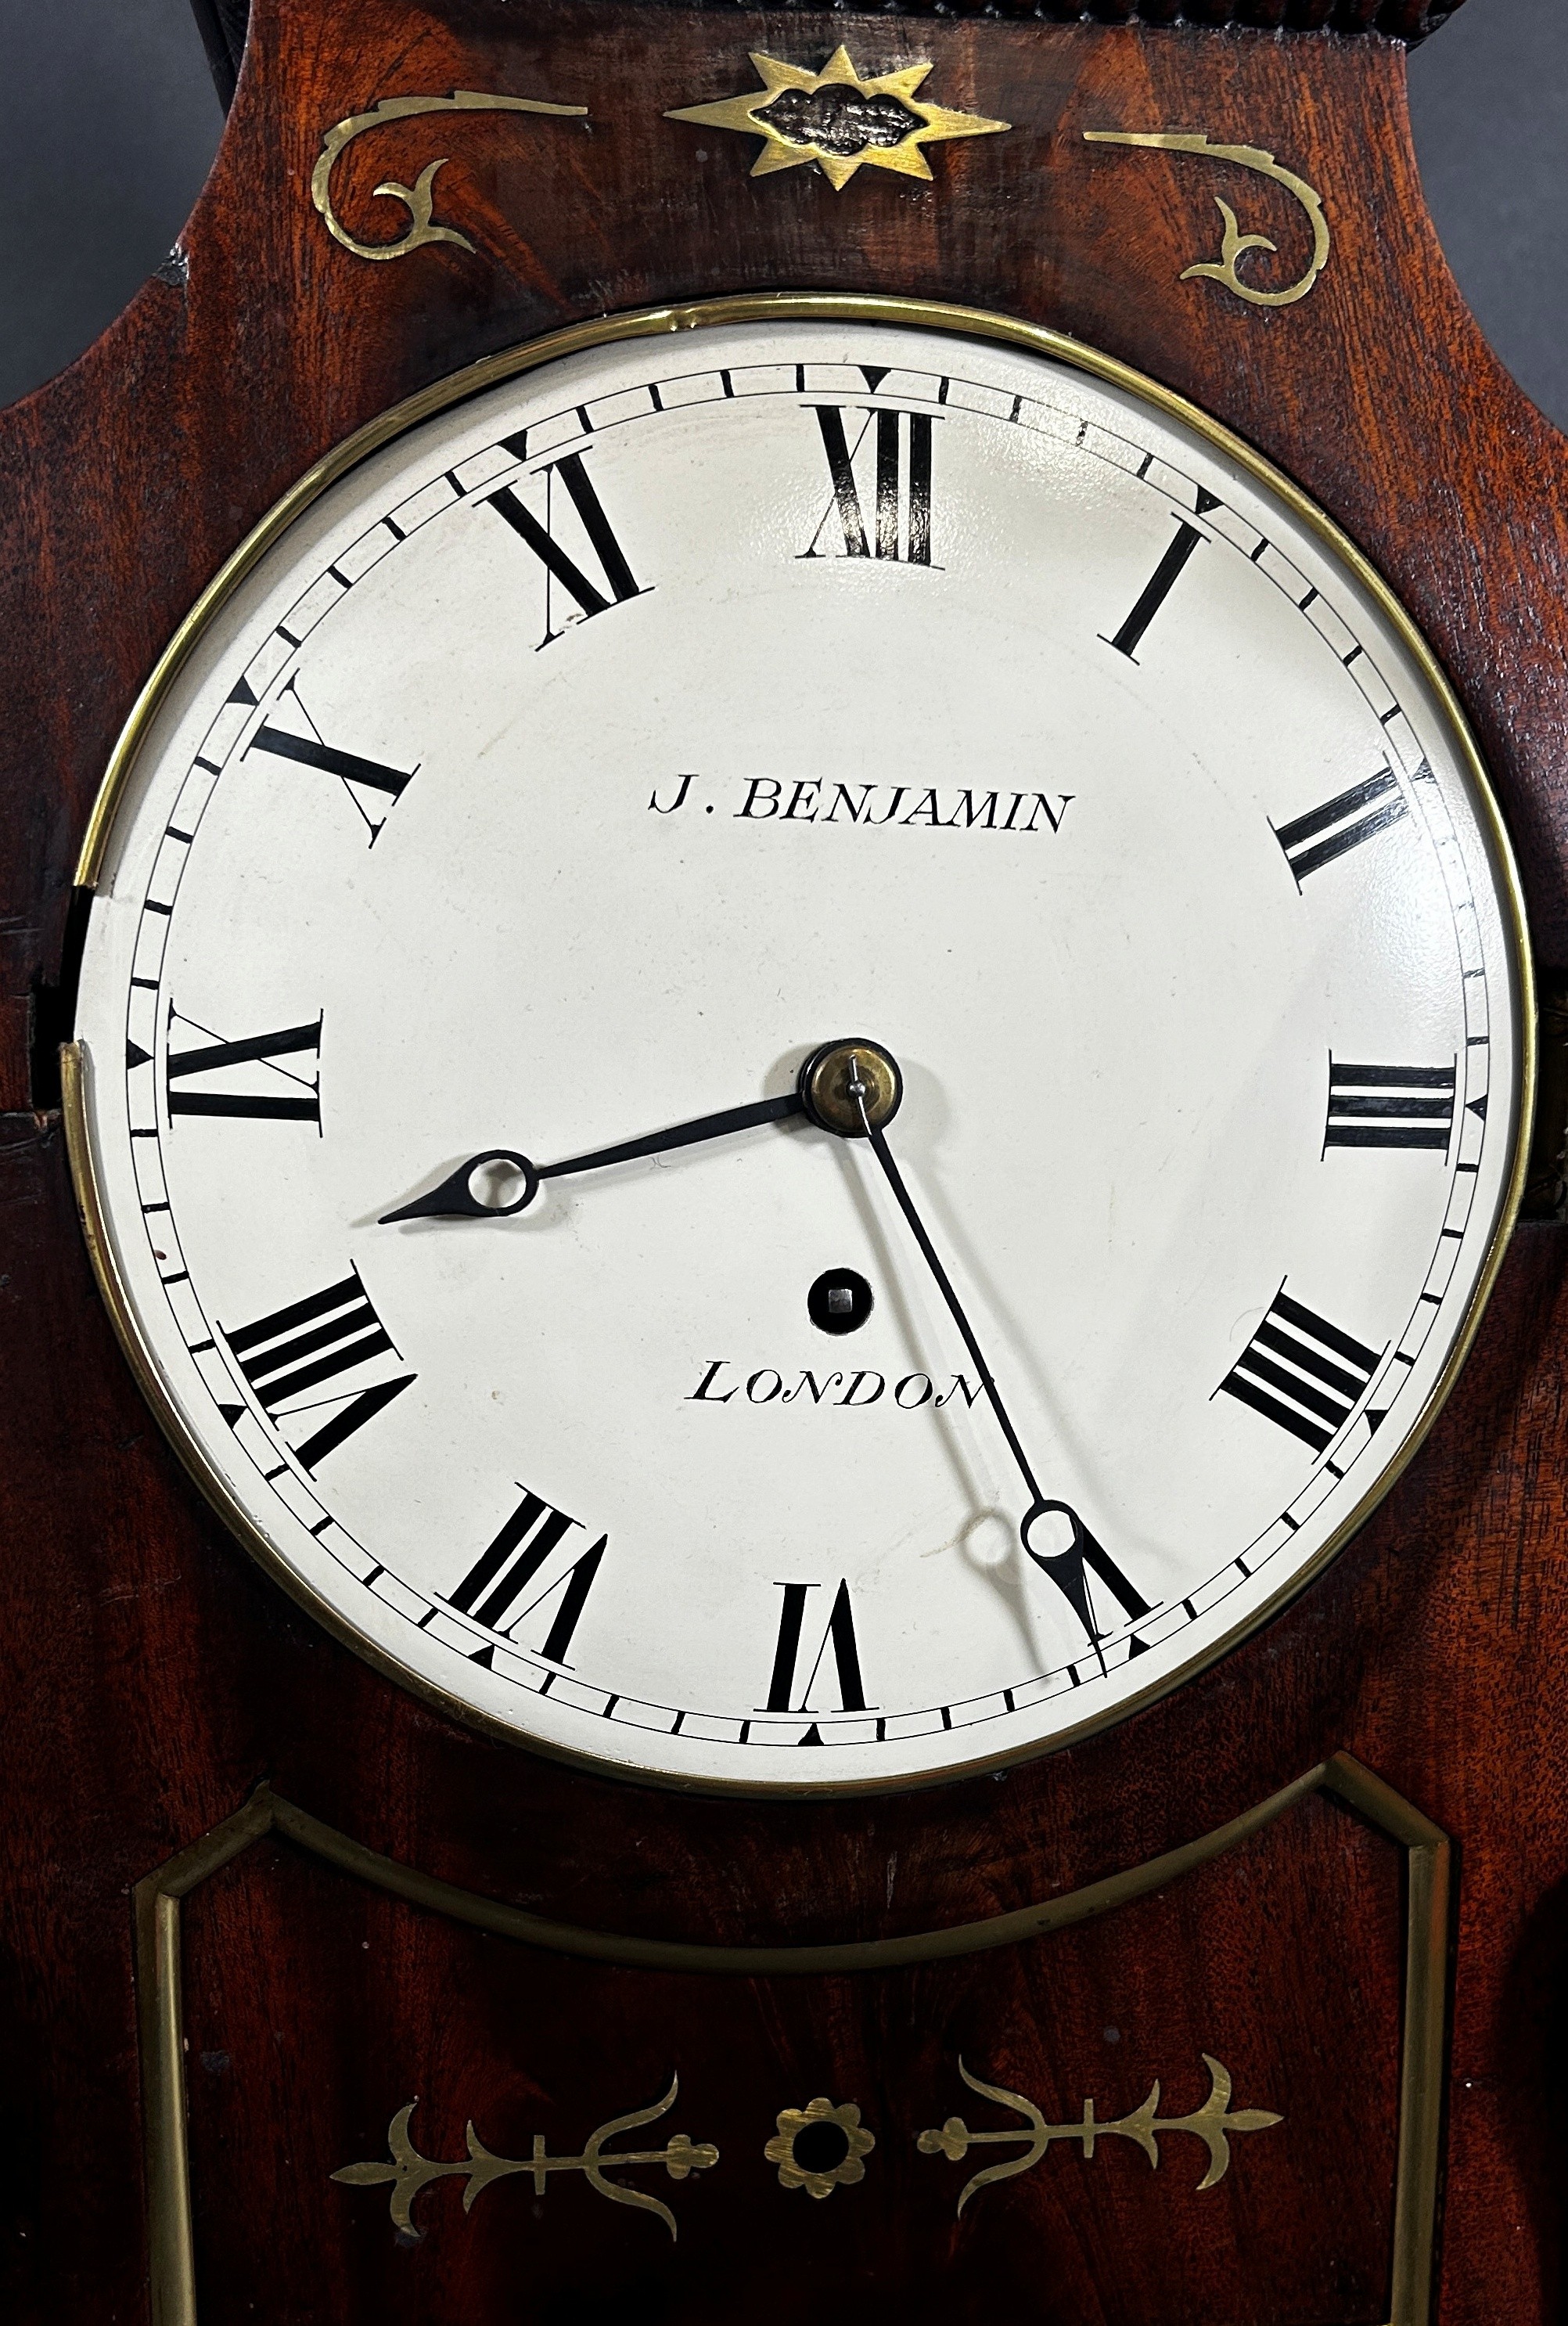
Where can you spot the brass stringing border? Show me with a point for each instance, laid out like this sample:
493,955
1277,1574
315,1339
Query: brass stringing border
160,2007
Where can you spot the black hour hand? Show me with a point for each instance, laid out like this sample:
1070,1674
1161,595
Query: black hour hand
497,1171
455,1198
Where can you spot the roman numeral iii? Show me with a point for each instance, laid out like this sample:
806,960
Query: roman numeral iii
1391,1106
901,514
617,584
1314,840
492,1591
370,784
1301,1372
310,1345
211,1077
838,1640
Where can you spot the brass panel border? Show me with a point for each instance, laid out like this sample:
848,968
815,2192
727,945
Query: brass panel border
656,322
160,2011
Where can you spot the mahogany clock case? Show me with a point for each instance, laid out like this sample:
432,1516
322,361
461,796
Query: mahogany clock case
154,1677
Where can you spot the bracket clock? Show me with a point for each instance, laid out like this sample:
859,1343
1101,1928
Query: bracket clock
784,1433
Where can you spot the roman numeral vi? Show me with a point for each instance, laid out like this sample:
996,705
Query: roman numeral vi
839,1638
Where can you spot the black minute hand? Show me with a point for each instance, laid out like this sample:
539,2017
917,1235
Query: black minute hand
454,1197
1070,1568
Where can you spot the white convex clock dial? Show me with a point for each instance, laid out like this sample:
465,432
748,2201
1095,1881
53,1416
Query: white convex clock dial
592,757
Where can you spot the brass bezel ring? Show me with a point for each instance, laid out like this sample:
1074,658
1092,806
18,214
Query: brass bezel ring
809,307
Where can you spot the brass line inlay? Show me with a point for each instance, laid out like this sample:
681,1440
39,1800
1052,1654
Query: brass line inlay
418,200
1213,2124
159,2007
1235,244
409,2171
838,118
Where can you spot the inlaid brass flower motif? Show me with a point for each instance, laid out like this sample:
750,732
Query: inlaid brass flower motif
820,2147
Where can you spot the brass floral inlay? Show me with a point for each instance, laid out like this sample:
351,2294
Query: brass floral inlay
820,2148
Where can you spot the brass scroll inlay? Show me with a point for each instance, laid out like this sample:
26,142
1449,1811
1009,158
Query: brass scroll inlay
1234,245
409,2171
837,118
1213,2124
419,198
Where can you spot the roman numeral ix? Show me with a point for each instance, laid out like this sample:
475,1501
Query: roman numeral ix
1301,1372
1314,840
1391,1106
358,776
1163,579
308,1344
619,584
493,1589
839,1638
285,1095
903,503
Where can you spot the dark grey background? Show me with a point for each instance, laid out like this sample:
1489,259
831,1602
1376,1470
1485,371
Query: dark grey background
108,122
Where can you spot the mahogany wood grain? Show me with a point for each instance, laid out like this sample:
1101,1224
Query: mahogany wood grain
222,22
150,1675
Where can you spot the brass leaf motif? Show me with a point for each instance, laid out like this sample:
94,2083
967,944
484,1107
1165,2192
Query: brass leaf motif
1213,2124
409,2171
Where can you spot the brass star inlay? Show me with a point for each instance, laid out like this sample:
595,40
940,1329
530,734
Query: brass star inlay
839,119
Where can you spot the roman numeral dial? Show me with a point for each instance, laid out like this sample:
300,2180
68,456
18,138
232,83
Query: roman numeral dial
717,816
